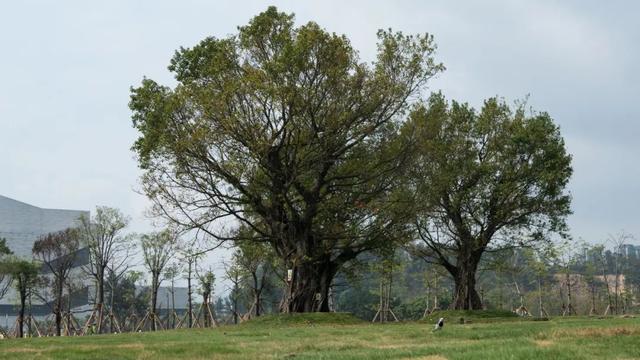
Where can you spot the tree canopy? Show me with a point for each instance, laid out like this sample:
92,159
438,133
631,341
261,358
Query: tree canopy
283,129
485,180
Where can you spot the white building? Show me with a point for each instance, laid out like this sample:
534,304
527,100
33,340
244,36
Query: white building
21,225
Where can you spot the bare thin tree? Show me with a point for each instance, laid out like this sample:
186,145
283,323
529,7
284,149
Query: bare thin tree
116,270
206,281
170,274
157,249
618,242
233,275
103,235
256,262
189,252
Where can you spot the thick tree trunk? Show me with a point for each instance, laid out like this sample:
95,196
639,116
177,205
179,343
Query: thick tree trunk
465,296
308,291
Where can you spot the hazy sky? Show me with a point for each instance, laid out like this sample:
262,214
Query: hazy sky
66,68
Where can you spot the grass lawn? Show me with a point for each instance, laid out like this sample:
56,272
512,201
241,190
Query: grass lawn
338,336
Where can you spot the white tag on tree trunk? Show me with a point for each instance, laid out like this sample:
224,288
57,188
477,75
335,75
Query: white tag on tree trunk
289,275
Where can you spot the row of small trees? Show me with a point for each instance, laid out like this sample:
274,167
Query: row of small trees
99,253
587,280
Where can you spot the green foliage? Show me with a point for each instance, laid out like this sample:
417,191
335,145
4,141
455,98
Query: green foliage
19,268
488,179
286,131
5,279
24,273
4,249
157,250
206,283
58,251
499,170
126,299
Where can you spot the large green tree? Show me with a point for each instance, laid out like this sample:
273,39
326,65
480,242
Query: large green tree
484,181
285,130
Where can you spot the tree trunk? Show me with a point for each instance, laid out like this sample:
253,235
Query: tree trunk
258,303
464,275
308,291
236,291
58,307
606,283
154,299
100,300
23,300
541,308
205,309
593,298
173,305
112,287
256,293
30,314
616,291
100,294
190,303
569,298
68,310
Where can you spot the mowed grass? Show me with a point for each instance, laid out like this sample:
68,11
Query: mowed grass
339,336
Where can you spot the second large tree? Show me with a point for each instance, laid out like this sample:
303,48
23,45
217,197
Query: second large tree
484,181
284,130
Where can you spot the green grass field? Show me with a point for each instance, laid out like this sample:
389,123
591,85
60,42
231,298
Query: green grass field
339,336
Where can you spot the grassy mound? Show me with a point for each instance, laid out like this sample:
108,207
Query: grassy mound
460,316
304,319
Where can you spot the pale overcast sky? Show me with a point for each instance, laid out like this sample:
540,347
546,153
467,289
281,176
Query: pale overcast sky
66,68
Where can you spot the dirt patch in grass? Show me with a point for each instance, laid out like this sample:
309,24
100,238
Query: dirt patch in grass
544,343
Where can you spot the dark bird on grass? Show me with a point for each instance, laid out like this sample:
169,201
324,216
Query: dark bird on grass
439,325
